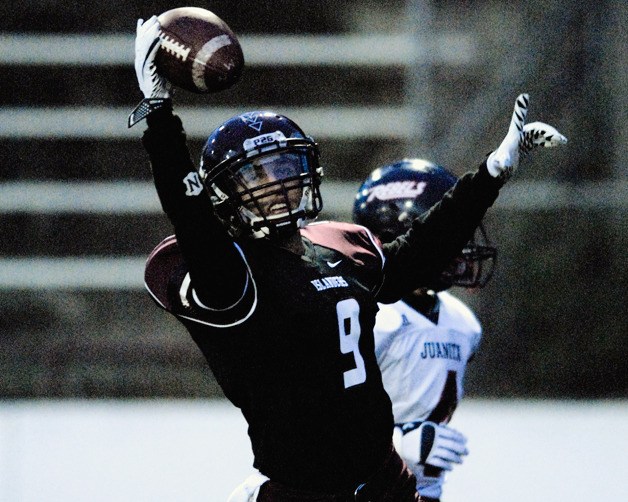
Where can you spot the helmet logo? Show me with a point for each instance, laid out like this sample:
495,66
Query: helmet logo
193,185
264,139
252,120
397,190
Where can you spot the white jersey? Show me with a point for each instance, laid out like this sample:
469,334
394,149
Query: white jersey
423,365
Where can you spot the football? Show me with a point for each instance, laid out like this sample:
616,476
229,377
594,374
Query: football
198,51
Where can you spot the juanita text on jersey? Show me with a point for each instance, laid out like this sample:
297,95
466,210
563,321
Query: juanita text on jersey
438,350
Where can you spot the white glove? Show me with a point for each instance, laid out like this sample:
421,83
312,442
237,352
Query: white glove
521,139
540,134
156,89
147,43
247,491
503,161
431,444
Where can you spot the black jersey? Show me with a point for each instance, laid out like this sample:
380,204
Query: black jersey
306,378
290,338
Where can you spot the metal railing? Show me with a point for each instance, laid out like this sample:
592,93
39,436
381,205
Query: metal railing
122,197
454,48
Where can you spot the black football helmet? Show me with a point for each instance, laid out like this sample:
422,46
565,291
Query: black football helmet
393,195
263,175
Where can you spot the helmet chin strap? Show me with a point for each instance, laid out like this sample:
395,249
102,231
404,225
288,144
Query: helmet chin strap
260,227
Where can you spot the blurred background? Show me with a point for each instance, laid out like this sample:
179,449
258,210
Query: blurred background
372,82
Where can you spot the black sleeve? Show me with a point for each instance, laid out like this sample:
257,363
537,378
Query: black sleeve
217,270
438,236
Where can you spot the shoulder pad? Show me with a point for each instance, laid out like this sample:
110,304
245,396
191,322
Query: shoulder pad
354,241
161,264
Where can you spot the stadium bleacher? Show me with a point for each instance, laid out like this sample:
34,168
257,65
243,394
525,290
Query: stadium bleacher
77,201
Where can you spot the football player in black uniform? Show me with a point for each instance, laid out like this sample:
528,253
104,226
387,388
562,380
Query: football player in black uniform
284,310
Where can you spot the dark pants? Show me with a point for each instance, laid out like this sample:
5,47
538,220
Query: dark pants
393,482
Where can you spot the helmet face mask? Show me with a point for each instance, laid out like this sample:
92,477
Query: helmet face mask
262,174
394,195
475,265
272,192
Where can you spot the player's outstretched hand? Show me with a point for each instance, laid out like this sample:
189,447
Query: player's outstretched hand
156,89
147,44
502,162
520,140
539,134
431,444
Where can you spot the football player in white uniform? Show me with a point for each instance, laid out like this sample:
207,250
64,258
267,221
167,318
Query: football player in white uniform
424,342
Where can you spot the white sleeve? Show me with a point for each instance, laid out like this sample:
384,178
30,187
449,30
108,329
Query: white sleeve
248,490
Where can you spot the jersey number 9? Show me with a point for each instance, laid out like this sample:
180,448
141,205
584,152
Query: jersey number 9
348,312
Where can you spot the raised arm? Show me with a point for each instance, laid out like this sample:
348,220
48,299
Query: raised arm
217,270
418,257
